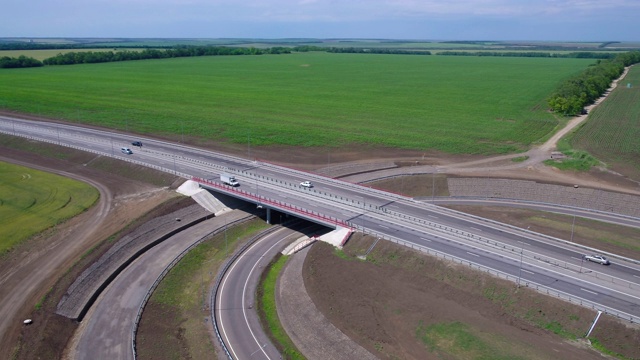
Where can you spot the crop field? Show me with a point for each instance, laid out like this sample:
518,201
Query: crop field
612,131
452,104
32,201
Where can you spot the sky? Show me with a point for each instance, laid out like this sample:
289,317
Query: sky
541,20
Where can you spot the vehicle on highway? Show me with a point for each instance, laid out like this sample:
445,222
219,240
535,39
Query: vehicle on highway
598,258
306,184
137,143
229,179
126,151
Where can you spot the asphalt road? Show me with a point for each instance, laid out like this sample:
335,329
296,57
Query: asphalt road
107,330
234,311
476,241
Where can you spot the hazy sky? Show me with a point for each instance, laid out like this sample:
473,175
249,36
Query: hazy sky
568,20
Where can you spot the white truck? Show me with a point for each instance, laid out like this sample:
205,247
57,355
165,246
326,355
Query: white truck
229,179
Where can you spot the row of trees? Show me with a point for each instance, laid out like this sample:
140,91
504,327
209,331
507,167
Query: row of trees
354,50
574,94
579,55
90,57
19,62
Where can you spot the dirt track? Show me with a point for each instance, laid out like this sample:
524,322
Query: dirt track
31,269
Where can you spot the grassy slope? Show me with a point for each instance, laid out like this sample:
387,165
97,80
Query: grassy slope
453,104
32,201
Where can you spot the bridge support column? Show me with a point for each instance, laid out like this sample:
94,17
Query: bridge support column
268,216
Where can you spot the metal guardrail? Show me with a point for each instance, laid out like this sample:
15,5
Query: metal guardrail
101,153
222,273
538,287
533,202
276,204
164,273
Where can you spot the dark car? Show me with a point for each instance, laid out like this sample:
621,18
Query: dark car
137,143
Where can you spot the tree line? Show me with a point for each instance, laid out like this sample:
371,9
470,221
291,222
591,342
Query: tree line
575,93
19,62
91,57
354,50
577,55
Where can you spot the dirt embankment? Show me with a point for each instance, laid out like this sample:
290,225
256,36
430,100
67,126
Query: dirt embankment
400,304
44,261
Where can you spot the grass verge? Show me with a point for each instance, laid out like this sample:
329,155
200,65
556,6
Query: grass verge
172,323
269,313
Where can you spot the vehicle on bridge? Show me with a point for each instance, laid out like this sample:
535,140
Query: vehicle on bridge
229,179
598,258
306,184
137,143
126,151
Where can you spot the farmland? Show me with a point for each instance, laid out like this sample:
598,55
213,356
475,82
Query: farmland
612,131
451,104
32,201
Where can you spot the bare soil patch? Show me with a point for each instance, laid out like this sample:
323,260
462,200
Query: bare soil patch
75,246
387,303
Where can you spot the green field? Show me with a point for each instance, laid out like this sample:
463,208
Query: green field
32,201
453,104
612,130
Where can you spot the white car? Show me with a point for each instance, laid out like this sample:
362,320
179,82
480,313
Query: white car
598,258
306,184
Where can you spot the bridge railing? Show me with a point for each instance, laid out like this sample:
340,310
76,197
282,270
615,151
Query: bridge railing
273,203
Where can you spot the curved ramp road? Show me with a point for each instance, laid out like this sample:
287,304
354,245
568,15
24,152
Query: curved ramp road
389,216
234,305
106,331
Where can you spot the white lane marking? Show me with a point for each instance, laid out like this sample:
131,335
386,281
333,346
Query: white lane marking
385,227
524,243
473,254
589,291
395,206
527,271
636,276
476,229
435,217
243,296
430,240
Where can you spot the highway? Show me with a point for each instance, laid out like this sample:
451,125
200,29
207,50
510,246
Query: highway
533,259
